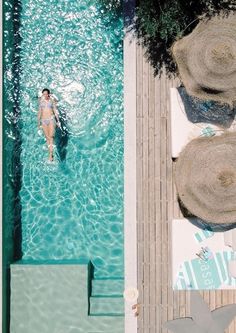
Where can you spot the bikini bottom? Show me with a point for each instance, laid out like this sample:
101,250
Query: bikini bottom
47,121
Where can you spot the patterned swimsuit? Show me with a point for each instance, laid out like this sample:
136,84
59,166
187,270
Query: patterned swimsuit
49,105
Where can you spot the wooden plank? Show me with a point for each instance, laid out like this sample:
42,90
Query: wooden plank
224,297
151,106
170,308
187,303
164,256
151,144
182,303
139,80
146,265
230,300
212,299
139,157
151,174
218,298
176,305
157,184
174,195
140,247
151,186
157,156
140,270
152,280
157,149
207,297
145,161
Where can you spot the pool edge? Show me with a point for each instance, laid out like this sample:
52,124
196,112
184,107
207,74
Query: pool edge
1,70
130,225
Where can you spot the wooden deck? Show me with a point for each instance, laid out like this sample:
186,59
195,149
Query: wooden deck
156,206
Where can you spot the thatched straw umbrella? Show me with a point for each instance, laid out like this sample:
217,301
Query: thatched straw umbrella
206,178
206,59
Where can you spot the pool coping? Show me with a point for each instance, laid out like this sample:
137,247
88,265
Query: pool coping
1,143
130,224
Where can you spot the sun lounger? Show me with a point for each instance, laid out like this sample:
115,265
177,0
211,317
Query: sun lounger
230,238
232,268
200,259
182,129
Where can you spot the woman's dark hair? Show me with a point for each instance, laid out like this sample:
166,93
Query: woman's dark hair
45,89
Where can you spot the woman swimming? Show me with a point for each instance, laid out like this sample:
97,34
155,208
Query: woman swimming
46,118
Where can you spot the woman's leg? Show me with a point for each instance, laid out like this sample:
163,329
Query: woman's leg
46,133
51,130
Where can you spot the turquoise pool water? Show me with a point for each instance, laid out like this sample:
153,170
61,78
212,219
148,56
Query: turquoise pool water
71,208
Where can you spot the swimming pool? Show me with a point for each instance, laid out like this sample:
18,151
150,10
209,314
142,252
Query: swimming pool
72,208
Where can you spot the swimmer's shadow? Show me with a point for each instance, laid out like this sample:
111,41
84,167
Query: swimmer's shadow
61,140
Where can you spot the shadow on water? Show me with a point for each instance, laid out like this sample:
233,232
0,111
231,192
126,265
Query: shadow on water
117,9
17,167
62,136
12,232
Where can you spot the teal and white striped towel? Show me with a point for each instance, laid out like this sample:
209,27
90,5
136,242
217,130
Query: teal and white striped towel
199,274
201,235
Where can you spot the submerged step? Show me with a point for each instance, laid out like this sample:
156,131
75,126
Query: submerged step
38,289
106,306
108,287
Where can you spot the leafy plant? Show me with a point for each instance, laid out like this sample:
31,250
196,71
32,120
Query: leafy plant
159,23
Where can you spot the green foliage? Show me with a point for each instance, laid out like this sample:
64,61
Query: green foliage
159,23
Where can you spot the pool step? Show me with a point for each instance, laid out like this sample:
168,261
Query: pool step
107,287
106,306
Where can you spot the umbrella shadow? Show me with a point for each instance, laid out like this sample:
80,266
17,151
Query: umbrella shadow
62,136
203,224
200,111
